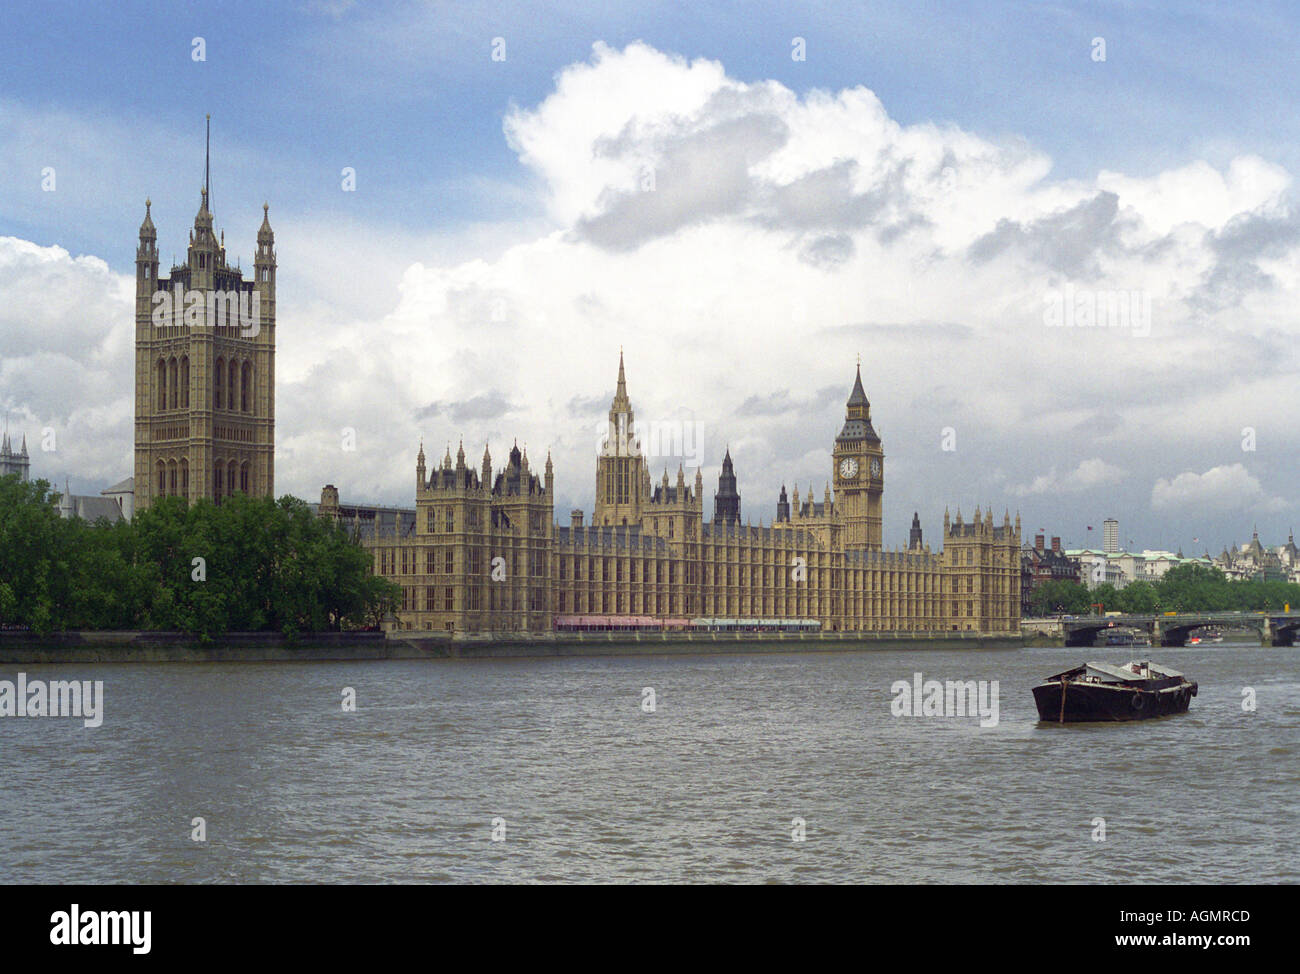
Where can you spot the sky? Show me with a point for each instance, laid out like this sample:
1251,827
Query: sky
1061,238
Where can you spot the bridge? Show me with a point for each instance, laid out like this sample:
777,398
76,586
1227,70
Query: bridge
1274,628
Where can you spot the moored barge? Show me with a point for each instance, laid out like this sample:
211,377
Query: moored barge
1103,691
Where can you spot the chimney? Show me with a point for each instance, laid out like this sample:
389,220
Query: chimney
1039,541
575,517
1056,544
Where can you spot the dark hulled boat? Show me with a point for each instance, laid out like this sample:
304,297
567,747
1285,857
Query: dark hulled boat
1104,691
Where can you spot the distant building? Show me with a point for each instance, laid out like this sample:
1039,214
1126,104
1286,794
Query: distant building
1122,568
1254,562
122,494
1098,568
14,463
1110,535
1040,565
88,507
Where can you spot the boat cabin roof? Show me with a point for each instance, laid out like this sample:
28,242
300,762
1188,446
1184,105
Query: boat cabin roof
1111,673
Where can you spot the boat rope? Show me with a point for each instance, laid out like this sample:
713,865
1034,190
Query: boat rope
1061,719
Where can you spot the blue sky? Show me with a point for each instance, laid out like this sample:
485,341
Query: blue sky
910,192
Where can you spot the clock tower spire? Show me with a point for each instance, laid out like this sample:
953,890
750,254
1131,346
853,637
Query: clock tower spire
859,472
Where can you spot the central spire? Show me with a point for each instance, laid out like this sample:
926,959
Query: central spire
621,403
620,440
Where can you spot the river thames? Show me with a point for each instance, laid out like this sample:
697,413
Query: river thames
561,760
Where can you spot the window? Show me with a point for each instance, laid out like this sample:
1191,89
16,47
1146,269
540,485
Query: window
451,519
218,383
450,561
430,522
449,599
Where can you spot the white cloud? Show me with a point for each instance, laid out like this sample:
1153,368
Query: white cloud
1087,475
1225,488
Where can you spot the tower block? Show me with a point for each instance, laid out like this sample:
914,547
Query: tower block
204,367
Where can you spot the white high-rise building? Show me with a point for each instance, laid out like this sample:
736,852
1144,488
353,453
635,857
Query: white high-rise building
1110,536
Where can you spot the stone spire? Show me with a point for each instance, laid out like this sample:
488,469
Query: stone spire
620,391
147,230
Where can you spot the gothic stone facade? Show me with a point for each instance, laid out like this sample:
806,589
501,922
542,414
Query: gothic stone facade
204,381
485,555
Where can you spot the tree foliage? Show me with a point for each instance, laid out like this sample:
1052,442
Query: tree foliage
1186,588
265,565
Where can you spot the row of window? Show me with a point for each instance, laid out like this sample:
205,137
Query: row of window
444,519
173,478
232,386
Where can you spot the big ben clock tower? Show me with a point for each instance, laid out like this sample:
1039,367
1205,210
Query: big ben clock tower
859,472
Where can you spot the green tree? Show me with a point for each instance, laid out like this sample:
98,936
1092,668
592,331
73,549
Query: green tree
1059,596
265,565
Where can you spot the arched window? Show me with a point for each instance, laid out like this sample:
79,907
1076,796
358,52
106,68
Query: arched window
243,477
230,477
173,375
218,382
185,382
246,388
185,477
162,479
173,482
218,479
162,385
232,387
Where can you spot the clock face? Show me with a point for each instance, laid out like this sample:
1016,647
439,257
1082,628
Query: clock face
848,468
875,468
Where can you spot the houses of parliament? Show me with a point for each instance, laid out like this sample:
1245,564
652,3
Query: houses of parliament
481,551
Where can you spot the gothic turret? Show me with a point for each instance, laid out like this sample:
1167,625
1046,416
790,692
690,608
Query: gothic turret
726,501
